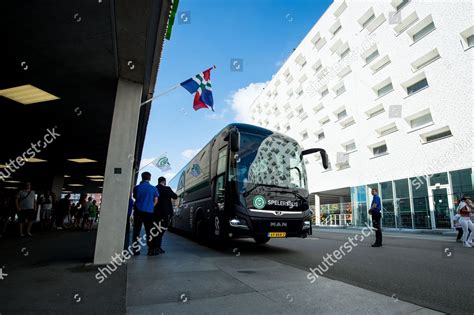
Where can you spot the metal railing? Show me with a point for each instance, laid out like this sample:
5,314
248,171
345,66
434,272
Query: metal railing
337,220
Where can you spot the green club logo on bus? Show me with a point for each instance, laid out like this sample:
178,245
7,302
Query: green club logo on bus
259,202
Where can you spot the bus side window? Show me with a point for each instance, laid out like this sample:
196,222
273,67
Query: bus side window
219,193
220,190
180,188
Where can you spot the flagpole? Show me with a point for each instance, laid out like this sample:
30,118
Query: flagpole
161,94
170,89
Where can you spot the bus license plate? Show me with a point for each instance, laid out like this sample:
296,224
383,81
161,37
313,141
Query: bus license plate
277,234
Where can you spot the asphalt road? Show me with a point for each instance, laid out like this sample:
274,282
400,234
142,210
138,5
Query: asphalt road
436,273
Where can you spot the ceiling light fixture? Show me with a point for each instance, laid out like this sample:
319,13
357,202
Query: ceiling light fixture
82,160
27,94
35,160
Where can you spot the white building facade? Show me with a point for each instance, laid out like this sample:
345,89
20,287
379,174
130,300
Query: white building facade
386,88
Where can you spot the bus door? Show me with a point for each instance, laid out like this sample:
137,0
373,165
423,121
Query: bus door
218,189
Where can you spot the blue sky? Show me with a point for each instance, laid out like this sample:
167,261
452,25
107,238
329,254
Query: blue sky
262,33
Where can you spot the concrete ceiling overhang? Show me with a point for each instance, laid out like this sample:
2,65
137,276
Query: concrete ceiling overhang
75,50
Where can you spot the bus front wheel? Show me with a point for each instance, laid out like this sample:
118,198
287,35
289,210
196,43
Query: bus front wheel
261,239
200,232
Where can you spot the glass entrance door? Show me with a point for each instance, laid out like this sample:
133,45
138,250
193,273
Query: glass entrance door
441,208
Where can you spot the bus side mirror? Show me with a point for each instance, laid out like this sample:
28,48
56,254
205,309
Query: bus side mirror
234,140
324,155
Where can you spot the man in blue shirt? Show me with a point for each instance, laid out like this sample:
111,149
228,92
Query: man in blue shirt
375,209
146,197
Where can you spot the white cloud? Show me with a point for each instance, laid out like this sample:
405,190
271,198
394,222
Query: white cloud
189,153
217,115
243,98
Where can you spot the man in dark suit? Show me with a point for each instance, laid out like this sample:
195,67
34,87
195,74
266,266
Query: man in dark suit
375,211
164,209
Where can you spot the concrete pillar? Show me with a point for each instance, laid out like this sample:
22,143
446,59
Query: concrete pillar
118,172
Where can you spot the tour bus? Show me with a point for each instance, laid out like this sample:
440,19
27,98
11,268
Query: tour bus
247,182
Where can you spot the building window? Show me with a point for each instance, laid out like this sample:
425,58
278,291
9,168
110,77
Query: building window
318,108
425,59
440,135
321,135
372,56
341,114
468,37
324,121
379,109
337,30
348,122
402,4
350,147
417,86
423,32
345,52
304,135
340,90
324,93
287,127
385,90
318,67
379,150
436,135
369,19
470,41
387,130
380,64
421,121
462,183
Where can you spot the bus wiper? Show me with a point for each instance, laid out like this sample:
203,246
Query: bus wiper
247,192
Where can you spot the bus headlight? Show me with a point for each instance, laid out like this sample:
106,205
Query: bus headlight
238,223
306,225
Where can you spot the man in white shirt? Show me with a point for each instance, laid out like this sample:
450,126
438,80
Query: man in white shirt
26,207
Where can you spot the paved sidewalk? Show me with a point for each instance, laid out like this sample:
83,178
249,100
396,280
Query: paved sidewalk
47,274
413,234
193,279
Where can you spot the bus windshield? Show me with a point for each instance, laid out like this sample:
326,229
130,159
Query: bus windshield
273,160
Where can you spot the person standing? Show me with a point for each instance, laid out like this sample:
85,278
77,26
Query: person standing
374,211
85,215
46,203
146,198
465,220
93,209
26,205
164,209
63,208
81,205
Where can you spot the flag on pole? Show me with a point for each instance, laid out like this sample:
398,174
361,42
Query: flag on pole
162,163
200,86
